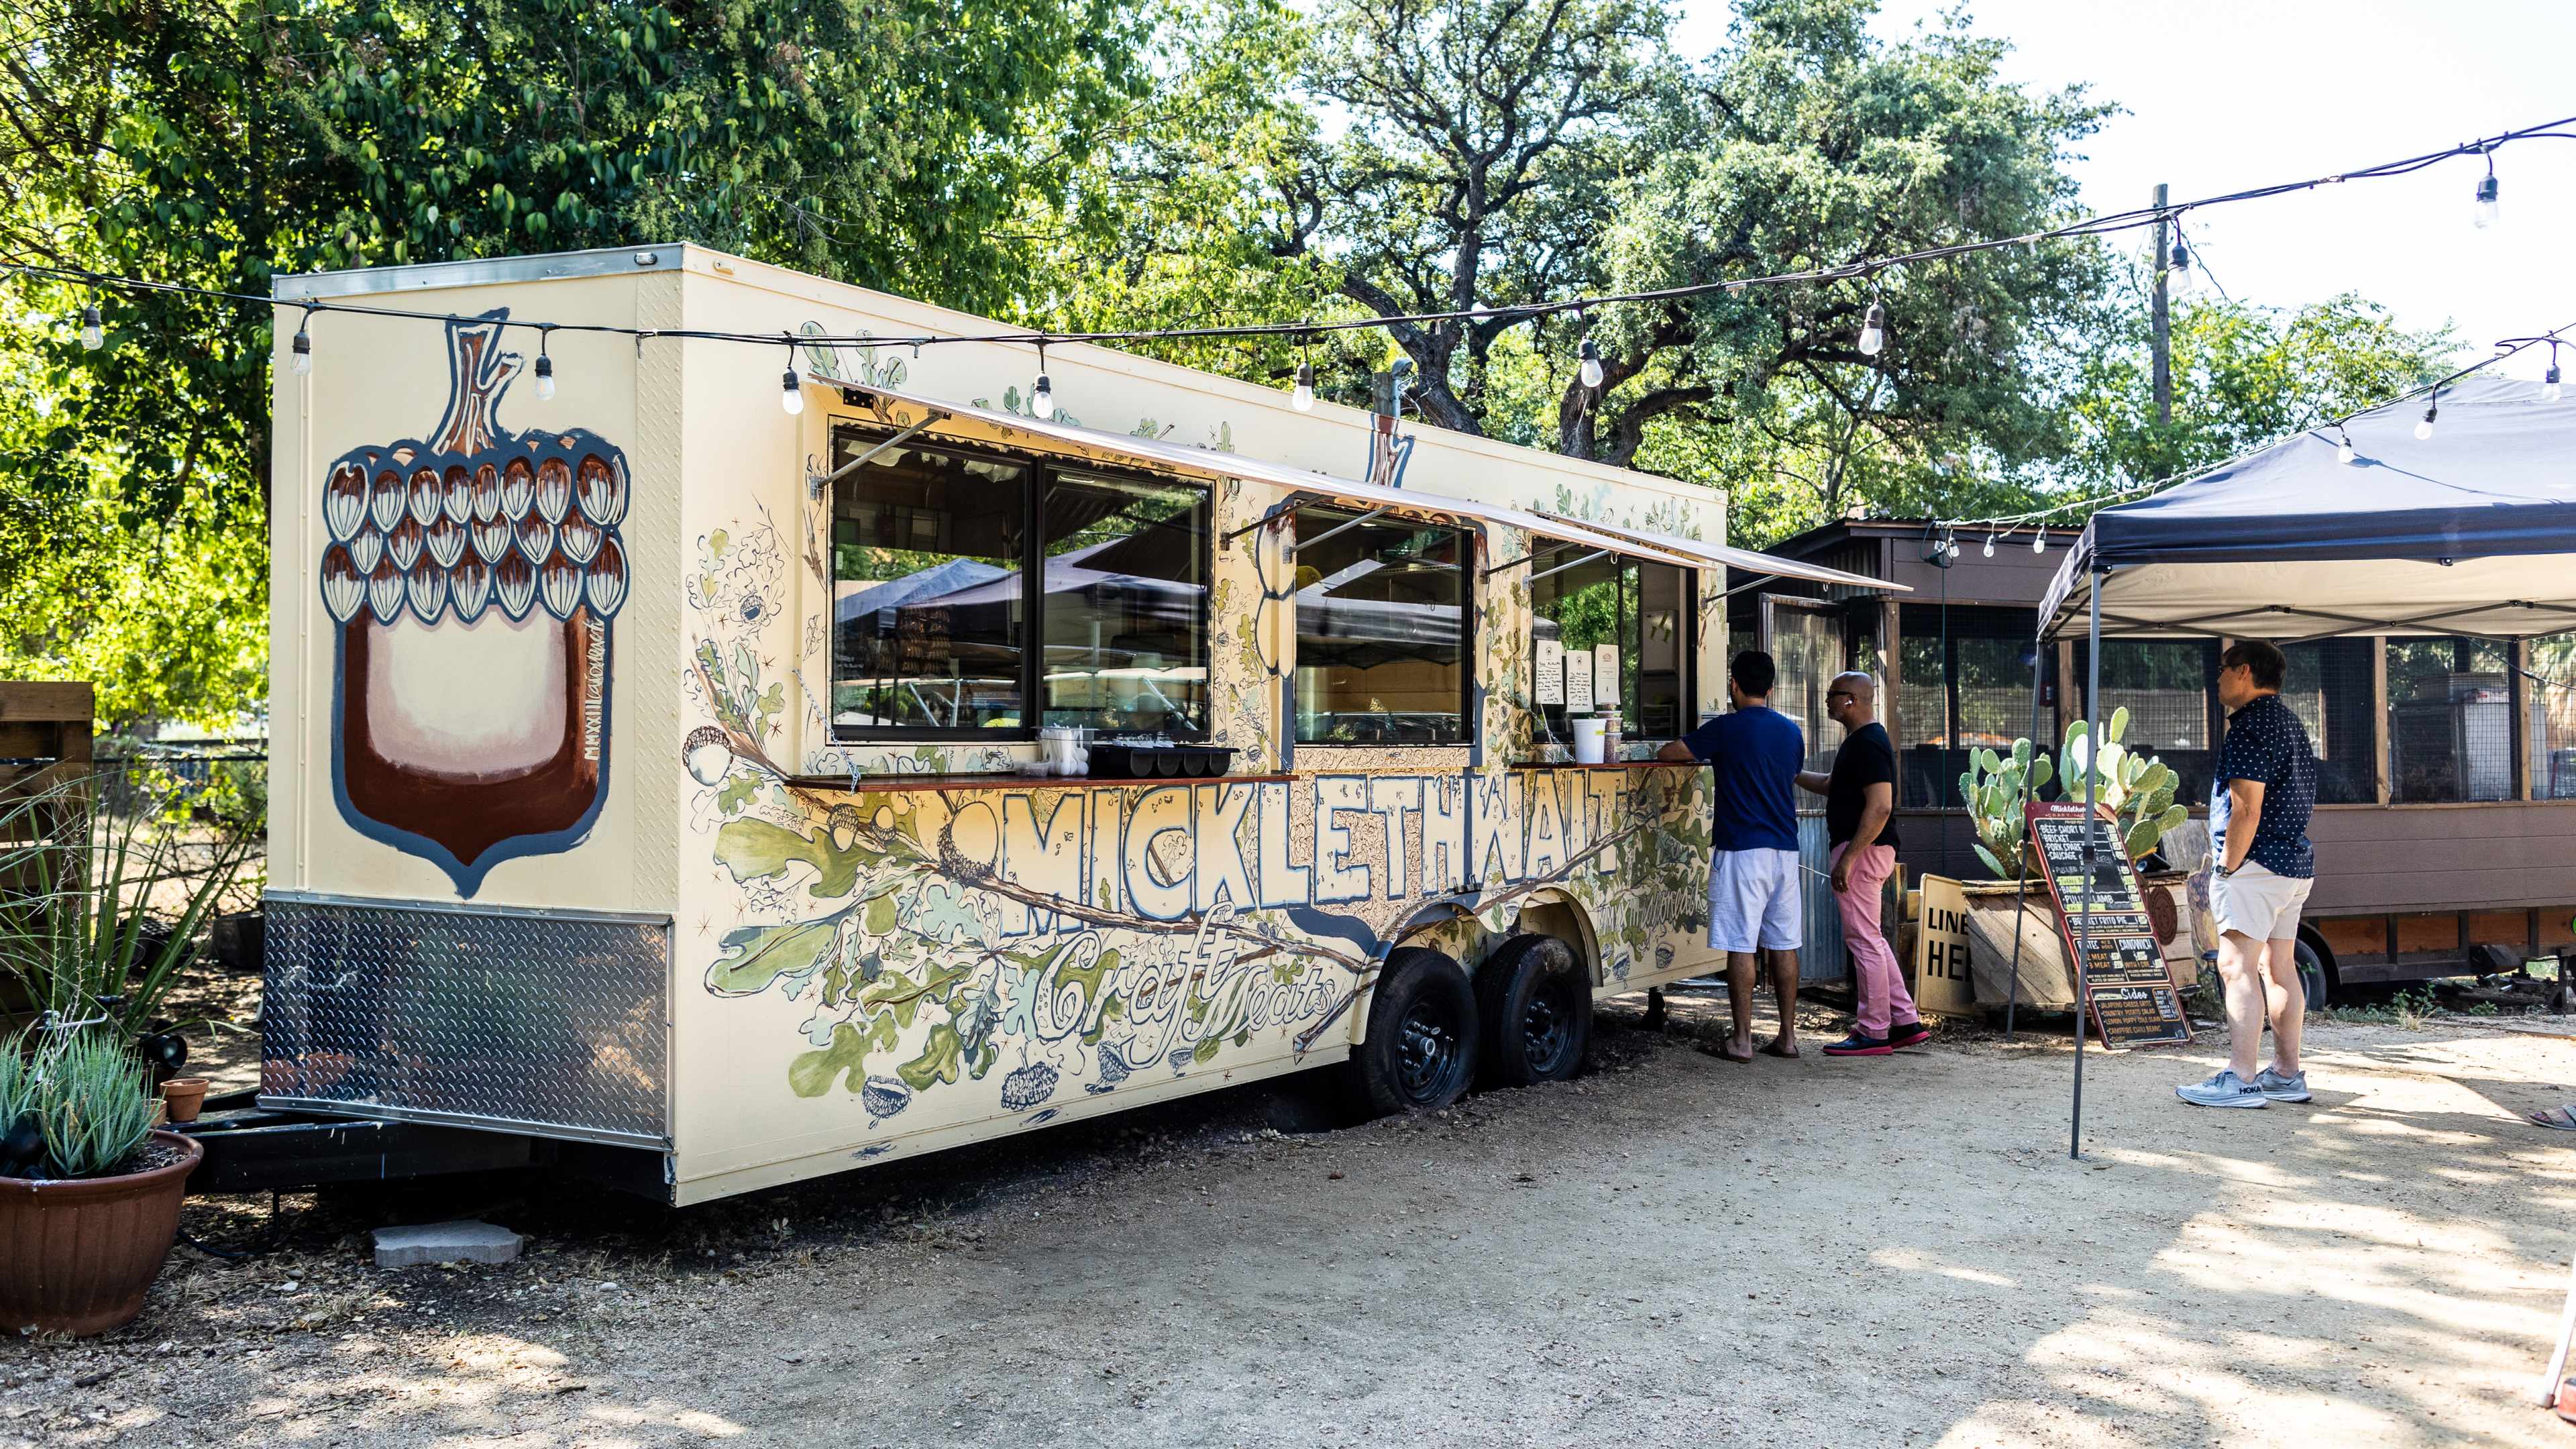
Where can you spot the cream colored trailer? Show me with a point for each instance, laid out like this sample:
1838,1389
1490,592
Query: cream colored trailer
646,752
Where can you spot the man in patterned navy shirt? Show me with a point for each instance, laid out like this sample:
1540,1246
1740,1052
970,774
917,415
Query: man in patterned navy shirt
2265,787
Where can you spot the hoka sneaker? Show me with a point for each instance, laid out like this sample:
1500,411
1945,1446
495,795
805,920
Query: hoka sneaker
2224,1090
2277,1087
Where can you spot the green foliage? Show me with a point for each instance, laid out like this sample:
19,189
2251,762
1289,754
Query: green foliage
886,142
2136,787
89,1096
79,922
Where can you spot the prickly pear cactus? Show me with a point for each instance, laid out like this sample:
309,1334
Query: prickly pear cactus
2136,787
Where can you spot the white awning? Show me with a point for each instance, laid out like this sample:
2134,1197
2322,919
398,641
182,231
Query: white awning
904,410
1723,556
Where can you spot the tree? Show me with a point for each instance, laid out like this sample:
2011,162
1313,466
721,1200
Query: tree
880,141
2243,376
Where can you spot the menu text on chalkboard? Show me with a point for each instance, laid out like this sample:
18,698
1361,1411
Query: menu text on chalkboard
2126,987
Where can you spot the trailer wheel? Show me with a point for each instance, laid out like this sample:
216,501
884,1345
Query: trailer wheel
1421,1047
2316,979
1536,1009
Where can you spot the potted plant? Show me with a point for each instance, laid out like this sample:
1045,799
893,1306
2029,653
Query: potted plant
89,1192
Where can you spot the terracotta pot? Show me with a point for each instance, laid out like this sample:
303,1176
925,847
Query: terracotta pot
186,1097
76,1257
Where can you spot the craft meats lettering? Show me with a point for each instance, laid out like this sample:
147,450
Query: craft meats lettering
472,577
1072,937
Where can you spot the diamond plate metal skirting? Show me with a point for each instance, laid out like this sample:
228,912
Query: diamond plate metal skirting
551,1023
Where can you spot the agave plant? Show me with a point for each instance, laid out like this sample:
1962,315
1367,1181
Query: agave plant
74,1103
2137,788
100,908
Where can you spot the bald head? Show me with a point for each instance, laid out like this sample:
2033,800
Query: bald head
1852,699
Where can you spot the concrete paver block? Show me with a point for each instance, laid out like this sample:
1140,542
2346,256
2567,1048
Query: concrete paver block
466,1241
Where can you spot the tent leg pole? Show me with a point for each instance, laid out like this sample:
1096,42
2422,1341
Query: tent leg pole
2021,902
2092,807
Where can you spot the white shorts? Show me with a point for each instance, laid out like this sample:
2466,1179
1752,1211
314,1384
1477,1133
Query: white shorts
2255,902
1753,898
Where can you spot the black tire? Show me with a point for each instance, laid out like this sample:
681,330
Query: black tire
1536,1010
2315,979
1420,1052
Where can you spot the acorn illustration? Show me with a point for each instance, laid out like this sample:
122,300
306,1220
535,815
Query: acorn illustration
472,577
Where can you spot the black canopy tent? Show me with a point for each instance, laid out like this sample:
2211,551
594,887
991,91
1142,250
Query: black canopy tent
2378,526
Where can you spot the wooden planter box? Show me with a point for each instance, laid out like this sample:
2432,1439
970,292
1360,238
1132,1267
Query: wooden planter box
1994,909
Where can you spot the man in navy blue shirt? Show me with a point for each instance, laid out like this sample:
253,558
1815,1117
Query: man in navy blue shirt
2265,787
1753,892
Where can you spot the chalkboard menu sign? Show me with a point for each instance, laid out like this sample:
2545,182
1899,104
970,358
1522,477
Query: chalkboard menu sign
2127,988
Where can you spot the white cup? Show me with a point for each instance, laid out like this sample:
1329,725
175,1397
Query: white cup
1588,739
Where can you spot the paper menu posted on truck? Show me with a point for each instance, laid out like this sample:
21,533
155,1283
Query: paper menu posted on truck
1605,676
1578,681
1547,673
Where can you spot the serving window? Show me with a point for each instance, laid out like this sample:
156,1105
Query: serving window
948,562
1639,609
1383,616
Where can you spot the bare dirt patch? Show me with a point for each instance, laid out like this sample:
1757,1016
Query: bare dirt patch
1672,1250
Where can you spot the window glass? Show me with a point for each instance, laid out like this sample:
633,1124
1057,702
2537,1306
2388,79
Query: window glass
2550,685
1381,631
2166,686
928,615
2450,720
1991,654
1582,608
2328,687
1807,652
1659,679
1125,605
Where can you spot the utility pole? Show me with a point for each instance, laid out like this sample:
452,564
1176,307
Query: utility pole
2163,343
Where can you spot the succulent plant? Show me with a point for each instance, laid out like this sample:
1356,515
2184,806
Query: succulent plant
2137,788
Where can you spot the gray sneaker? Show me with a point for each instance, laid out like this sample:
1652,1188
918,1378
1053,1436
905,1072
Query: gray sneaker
2276,1087
2224,1090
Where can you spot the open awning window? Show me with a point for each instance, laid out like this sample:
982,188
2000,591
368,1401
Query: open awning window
906,411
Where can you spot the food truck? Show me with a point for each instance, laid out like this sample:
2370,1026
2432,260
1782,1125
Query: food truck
672,729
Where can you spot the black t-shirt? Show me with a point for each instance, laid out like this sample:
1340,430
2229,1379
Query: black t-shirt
1866,758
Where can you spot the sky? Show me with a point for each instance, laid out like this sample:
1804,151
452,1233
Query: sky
2219,95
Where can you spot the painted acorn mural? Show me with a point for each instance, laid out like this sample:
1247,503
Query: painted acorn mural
472,576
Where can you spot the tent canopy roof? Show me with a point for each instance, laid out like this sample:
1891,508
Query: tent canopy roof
2472,531
984,424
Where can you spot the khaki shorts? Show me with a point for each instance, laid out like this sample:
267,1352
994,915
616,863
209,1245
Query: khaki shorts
2255,902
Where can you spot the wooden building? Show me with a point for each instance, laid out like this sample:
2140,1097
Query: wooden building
2446,818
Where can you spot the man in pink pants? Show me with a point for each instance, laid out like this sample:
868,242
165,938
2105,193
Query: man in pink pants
1860,806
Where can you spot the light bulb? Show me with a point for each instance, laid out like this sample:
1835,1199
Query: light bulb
93,334
1303,399
2487,211
2178,278
2039,542
300,353
545,378
1042,399
2424,429
1990,545
1591,369
2344,453
1873,330
791,394
2550,391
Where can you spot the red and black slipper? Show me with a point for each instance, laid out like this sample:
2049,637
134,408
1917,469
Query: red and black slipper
1856,1045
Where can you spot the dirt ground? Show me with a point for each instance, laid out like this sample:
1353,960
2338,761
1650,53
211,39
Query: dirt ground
1671,1250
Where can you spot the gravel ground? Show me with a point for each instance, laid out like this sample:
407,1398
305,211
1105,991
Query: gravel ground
1671,1250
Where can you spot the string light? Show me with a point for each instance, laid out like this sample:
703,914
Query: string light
300,351
1303,397
2424,429
2178,278
1873,330
2488,213
1990,545
93,332
546,367
2344,452
1590,356
791,388
2039,540
1042,396
2550,391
